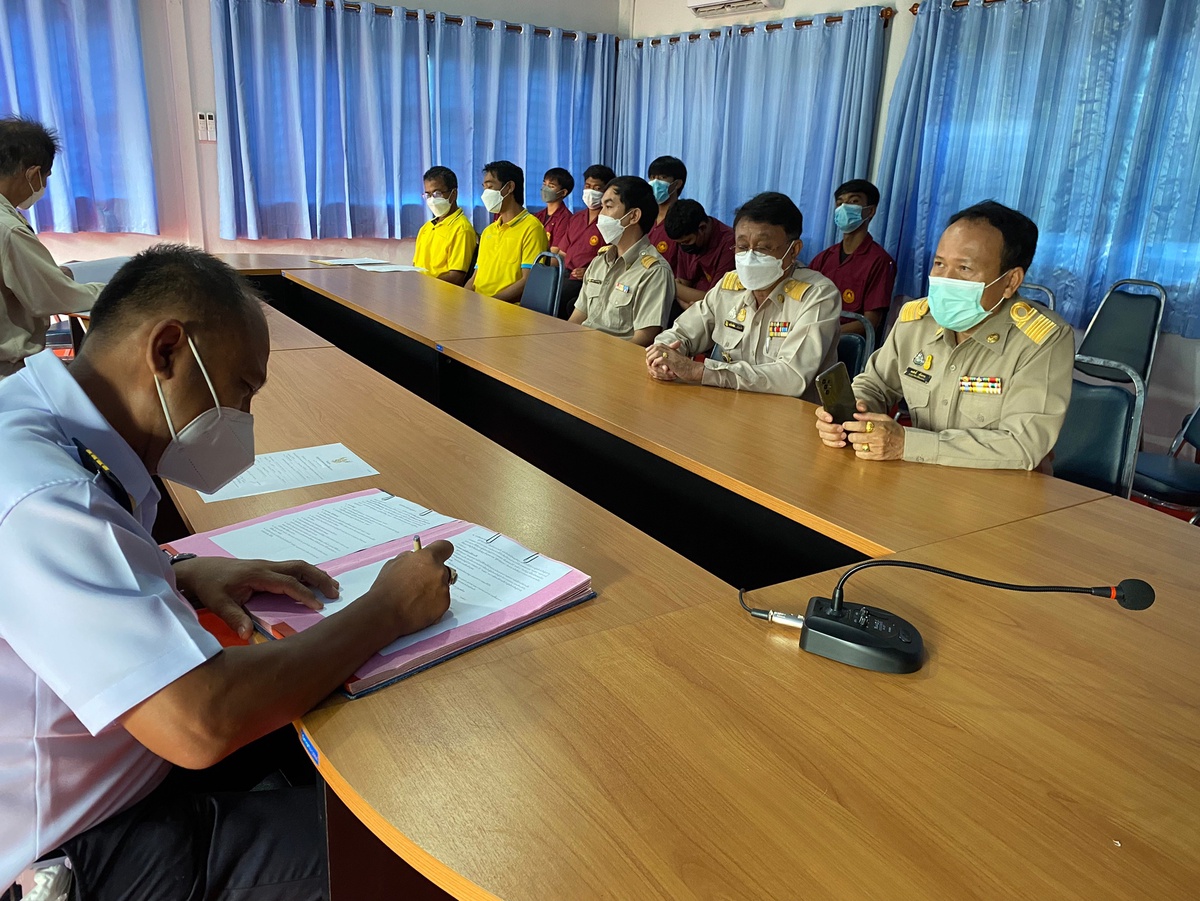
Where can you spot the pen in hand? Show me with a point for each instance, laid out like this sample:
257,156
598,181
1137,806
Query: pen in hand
416,543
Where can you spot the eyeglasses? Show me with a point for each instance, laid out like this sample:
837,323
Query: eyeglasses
439,195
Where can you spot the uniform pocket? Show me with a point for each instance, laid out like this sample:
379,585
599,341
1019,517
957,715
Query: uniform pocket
979,410
618,312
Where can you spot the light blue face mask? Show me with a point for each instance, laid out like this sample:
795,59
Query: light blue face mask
847,217
662,190
956,304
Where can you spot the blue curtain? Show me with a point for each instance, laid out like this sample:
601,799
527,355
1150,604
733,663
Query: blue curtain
322,120
509,92
779,108
331,116
76,65
1081,115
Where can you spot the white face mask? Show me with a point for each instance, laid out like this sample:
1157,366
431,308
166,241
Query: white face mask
611,229
35,196
758,271
492,200
592,198
439,206
213,449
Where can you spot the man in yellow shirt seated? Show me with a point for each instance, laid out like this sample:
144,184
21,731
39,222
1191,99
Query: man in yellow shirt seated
446,243
507,247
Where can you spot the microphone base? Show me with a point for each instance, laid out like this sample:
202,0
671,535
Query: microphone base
862,636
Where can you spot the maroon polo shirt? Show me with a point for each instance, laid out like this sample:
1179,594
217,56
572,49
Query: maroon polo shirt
582,241
667,248
706,269
865,278
556,225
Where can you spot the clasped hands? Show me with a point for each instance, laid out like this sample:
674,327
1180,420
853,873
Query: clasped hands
875,436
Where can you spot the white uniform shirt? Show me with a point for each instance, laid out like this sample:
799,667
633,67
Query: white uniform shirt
90,621
32,289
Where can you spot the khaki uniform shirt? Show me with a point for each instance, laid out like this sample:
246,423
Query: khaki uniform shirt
32,288
996,401
776,348
625,292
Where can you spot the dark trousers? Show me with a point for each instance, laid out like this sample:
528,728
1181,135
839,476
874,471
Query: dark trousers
206,836
570,294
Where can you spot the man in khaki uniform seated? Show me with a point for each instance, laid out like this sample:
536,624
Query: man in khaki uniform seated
775,323
32,286
628,288
986,374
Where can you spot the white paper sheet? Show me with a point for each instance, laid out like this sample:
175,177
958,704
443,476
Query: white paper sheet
351,261
494,572
300,468
388,267
100,271
325,533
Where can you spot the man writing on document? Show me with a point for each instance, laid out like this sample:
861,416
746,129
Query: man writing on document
32,286
111,690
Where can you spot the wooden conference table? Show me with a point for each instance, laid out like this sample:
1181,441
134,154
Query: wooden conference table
763,448
657,742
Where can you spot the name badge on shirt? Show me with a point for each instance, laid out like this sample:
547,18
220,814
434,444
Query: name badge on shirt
736,326
594,281
918,375
778,329
970,384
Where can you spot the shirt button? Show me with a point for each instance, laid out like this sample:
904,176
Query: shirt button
945,403
954,369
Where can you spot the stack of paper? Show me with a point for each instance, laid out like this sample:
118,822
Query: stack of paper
501,585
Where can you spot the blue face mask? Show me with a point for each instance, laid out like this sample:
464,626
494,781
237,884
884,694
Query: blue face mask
956,304
662,190
847,217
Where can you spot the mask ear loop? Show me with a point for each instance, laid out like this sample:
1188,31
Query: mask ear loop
166,411
204,372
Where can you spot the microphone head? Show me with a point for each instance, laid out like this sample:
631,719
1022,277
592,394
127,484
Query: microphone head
1134,594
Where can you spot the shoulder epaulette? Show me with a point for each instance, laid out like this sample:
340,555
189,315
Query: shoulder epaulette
731,282
1036,326
794,289
649,259
914,310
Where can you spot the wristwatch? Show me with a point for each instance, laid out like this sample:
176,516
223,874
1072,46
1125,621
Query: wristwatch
176,558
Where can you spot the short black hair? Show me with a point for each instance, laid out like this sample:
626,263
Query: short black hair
506,172
859,186
446,176
772,208
684,218
636,193
670,166
1020,233
600,171
25,143
560,177
166,277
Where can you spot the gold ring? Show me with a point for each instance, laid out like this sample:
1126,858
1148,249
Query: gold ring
866,448
870,427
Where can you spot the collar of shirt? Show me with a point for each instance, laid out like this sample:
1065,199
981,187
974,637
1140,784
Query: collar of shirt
861,248
500,224
8,210
452,217
629,257
78,418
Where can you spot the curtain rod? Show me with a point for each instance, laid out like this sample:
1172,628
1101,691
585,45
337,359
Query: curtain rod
451,20
886,14
957,4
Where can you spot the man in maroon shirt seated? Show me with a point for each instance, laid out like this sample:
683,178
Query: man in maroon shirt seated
667,176
864,272
705,250
557,185
582,240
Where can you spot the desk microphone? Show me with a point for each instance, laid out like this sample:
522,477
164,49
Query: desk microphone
874,639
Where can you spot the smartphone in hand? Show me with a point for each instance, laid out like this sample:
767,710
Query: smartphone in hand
836,393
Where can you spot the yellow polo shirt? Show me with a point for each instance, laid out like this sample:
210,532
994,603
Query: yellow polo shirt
446,246
504,250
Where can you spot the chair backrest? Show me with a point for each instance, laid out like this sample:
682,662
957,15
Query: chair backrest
854,350
1190,433
1125,329
1098,444
543,288
1043,295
